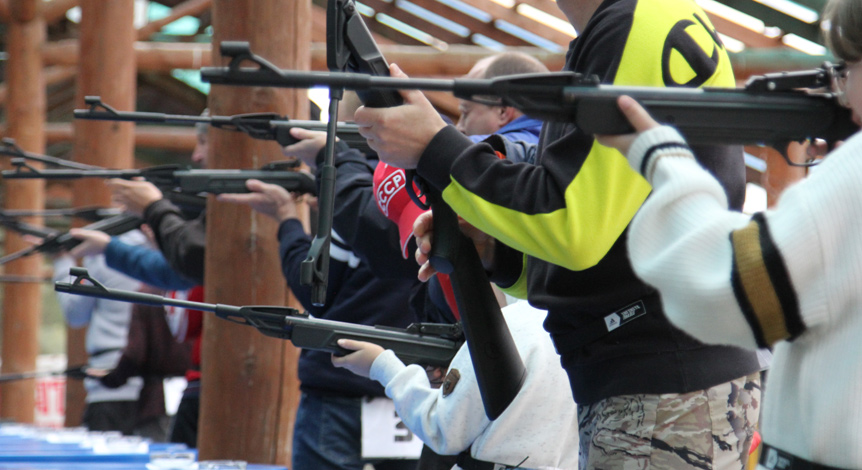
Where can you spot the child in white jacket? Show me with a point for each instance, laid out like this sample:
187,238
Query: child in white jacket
539,429
788,277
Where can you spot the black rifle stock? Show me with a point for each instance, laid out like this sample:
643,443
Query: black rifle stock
772,109
173,178
424,343
54,243
263,126
500,372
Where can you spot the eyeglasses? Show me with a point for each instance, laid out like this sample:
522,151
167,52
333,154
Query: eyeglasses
841,74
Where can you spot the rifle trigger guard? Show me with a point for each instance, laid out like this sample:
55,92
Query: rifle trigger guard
415,182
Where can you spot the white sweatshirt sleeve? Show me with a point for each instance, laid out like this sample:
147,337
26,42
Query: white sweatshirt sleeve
679,241
448,425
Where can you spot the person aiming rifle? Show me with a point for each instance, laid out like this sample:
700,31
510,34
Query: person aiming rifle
573,235
783,278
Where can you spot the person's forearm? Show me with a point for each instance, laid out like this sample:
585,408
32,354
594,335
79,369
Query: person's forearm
144,264
448,425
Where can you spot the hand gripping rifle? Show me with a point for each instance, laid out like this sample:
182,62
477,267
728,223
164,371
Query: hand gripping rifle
772,109
422,343
263,126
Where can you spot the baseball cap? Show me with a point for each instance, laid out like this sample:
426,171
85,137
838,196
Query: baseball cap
392,199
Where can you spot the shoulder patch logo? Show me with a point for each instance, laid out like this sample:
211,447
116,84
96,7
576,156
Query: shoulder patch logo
450,382
680,43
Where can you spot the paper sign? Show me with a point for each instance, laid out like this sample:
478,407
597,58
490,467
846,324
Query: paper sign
383,433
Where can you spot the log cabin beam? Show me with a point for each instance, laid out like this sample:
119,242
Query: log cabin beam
187,8
414,60
55,10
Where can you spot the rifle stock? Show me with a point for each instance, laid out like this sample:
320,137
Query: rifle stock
427,344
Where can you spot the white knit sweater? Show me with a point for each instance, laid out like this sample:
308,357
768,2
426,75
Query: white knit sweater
540,425
680,243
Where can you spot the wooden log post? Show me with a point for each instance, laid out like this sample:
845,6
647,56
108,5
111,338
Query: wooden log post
22,302
249,387
106,68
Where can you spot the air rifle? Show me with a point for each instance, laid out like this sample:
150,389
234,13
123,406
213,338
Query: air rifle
264,126
9,218
56,242
772,109
24,228
90,213
176,179
75,372
423,343
190,203
10,149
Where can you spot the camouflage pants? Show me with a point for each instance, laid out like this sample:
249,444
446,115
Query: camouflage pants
707,429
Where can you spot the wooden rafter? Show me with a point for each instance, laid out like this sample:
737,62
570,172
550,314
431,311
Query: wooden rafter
187,8
56,9
741,33
52,75
474,25
393,10
418,61
511,16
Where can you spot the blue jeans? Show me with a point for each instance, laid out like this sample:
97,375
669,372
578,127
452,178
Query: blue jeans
328,435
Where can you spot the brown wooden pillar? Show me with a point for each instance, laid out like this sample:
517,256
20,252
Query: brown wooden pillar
249,385
22,302
106,68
